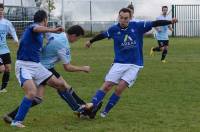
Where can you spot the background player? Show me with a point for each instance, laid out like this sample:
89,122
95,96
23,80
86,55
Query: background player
162,35
5,59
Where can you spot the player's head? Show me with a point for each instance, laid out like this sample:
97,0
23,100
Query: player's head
41,17
124,17
1,10
74,33
131,7
164,10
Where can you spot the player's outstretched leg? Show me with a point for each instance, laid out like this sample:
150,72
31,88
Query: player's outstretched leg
30,94
98,97
114,97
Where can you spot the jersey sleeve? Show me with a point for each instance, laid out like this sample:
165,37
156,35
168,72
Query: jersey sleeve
12,32
64,55
144,26
109,33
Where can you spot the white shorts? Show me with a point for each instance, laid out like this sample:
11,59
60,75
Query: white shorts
126,72
27,70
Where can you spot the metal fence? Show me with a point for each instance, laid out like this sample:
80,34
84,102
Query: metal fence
93,16
189,20
21,17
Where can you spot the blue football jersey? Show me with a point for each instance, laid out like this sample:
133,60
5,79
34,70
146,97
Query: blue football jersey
128,43
30,45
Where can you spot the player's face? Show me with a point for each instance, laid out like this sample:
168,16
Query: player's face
1,12
73,38
164,11
124,18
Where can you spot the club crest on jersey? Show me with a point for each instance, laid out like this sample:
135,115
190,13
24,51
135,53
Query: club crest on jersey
132,30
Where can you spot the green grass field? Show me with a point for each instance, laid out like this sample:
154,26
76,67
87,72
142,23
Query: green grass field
165,97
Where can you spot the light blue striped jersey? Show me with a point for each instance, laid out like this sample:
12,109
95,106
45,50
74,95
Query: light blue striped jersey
5,28
163,34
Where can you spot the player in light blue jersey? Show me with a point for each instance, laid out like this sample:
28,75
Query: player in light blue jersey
57,50
128,49
6,27
162,36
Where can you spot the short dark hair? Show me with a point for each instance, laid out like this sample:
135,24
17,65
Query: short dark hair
130,6
1,5
76,29
125,10
40,16
164,7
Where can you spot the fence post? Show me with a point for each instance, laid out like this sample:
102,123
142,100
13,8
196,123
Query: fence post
91,18
63,15
173,17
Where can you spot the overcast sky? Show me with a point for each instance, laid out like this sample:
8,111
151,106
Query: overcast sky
106,10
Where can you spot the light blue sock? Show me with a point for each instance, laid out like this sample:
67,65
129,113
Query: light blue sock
23,109
98,97
112,102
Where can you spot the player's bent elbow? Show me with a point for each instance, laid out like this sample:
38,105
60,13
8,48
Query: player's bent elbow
67,67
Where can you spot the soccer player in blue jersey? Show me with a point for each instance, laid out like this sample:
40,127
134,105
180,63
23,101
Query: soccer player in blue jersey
31,74
56,50
162,35
5,59
128,61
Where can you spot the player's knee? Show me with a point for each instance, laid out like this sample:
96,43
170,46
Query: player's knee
2,69
107,87
7,69
31,94
60,85
118,92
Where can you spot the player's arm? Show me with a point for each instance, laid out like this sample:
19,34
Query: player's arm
163,22
65,56
42,29
170,28
94,39
72,68
13,33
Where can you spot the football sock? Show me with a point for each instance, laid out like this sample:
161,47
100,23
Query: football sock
5,79
98,97
23,109
76,97
112,102
68,98
164,53
35,102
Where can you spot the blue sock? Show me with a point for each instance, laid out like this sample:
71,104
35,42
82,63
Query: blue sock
69,99
112,102
23,109
98,97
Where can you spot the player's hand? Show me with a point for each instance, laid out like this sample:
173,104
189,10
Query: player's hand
59,30
174,20
88,44
86,69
